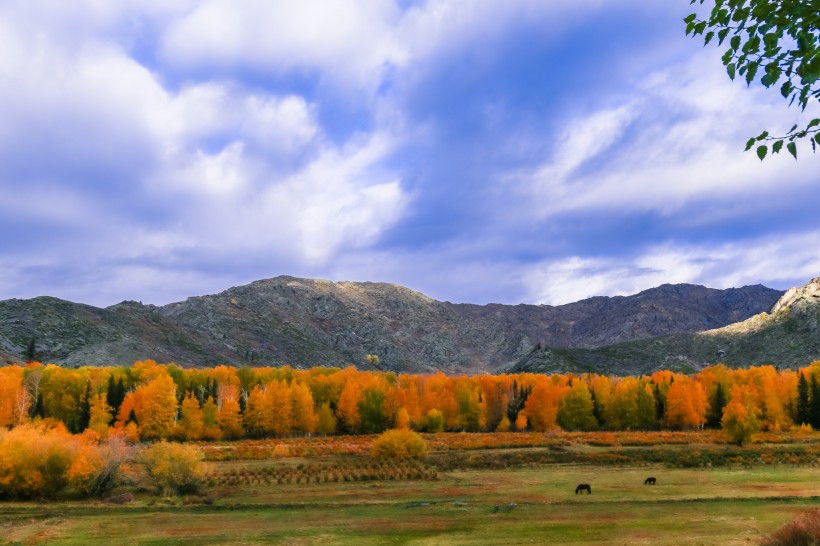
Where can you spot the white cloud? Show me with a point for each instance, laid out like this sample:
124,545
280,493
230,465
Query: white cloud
777,261
686,130
210,171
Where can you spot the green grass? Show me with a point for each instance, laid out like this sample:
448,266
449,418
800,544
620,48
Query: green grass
687,506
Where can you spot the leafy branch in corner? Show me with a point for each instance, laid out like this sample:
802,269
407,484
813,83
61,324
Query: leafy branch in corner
782,38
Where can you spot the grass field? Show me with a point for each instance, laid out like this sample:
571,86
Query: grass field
526,504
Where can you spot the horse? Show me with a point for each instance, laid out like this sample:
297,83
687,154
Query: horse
649,481
583,487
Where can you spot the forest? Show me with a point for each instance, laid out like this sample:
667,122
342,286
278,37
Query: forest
150,401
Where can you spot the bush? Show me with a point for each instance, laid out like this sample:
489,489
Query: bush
34,461
803,530
174,468
399,444
96,467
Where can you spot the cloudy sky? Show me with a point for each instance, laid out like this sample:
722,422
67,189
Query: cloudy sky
476,151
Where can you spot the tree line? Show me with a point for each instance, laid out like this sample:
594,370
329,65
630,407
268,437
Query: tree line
149,401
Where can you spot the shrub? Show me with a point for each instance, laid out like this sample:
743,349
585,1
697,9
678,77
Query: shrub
34,461
173,468
399,444
803,530
96,467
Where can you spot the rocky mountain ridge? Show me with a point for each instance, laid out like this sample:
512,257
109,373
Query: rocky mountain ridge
787,336
307,322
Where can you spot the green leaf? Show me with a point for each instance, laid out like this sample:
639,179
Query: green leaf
749,144
722,35
786,88
689,18
762,151
735,42
762,135
730,69
777,146
750,74
708,37
813,123
792,147
817,138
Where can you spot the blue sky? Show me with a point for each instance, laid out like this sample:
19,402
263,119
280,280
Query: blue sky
476,151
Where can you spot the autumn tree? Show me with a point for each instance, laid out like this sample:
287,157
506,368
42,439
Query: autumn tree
347,410
259,413
100,415
686,404
304,415
229,419
190,424
740,417
159,407
542,405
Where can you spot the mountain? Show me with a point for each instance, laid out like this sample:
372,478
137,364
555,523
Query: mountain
307,322
787,336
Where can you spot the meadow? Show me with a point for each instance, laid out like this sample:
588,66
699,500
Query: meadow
470,489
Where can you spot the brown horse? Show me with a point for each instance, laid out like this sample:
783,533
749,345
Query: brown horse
583,487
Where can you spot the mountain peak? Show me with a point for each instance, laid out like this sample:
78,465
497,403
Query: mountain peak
793,296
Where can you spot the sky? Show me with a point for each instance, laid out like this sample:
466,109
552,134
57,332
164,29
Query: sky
476,151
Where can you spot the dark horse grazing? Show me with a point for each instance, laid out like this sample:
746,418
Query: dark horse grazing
649,481
583,487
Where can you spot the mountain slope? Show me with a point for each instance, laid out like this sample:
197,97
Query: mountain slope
313,322
787,336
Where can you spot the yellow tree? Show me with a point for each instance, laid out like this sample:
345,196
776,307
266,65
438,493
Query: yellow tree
740,417
100,415
259,413
304,416
190,424
347,409
326,422
229,419
159,407
282,407
210,414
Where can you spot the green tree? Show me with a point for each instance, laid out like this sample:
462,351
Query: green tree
814,404
84,411
434,421
716,406
371,411
802,400
575,409
777,40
